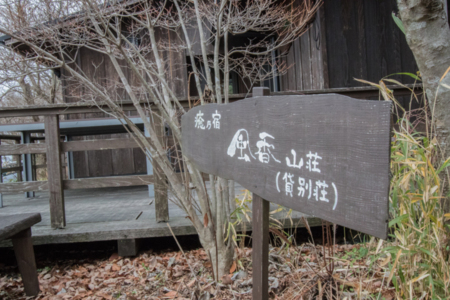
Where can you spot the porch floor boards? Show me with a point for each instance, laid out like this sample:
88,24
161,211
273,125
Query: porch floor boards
110,214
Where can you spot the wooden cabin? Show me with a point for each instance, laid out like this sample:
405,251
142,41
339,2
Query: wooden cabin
348,39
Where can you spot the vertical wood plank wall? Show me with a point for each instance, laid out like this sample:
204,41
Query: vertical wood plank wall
100,70
305,60
349,39
363,41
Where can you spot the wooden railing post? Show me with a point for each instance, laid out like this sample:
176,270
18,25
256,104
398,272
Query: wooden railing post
27,173
151,187
54,171
70,163
19,164
159,179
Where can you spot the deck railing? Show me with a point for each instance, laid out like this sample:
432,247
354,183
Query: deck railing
54,148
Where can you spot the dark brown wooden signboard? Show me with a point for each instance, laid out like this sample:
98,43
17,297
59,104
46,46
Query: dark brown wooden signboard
323,155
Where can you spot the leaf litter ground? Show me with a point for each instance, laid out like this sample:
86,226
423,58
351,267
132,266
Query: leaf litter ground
296,272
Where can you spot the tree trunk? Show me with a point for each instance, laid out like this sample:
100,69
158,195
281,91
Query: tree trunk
428,35
225,253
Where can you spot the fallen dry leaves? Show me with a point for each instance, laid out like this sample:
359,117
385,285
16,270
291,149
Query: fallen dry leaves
295,273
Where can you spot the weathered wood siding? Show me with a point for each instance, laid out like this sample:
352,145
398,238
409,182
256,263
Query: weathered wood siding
349,39
98,68
305,60
363,41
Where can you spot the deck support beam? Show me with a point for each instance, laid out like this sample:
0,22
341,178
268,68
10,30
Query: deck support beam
54,169
128,247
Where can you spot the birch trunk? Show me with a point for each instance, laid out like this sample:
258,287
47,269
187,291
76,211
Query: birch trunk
428,35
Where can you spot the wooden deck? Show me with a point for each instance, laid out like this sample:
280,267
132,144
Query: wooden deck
109,214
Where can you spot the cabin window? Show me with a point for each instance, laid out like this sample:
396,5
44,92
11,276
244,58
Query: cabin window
133,38
272,82
233,85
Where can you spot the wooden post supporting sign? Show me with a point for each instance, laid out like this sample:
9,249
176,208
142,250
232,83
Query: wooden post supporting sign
260,253
323,155
260,236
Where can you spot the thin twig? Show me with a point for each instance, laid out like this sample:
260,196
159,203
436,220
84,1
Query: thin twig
181,249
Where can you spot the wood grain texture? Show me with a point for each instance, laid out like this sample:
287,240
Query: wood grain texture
351,137
260,245
11,225
160,179
323,47
101,144
123,158
80,161
23,187
298,85
363,41
139,161
23,249
389,39
22,149
289,80
54,171
316,62
96,162
305,58
354,24
86,183
99,161
102,182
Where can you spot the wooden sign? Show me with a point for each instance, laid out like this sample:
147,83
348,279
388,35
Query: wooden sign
323,155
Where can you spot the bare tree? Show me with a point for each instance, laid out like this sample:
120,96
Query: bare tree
138,40
24,82
27,83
